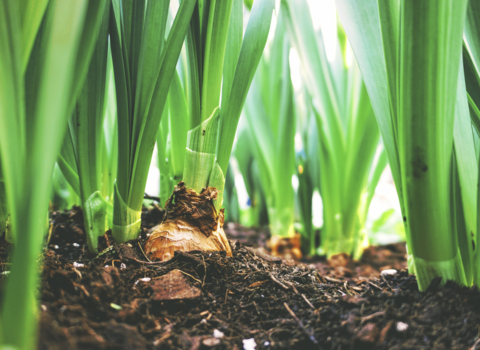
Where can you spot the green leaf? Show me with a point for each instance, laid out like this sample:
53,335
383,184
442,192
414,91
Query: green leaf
178,127
68,32
361,21
143,75
429,73
200,153
251,51
216,40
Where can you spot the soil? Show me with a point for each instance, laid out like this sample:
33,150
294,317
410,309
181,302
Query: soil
204,300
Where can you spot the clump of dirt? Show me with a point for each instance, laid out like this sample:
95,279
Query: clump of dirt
203,300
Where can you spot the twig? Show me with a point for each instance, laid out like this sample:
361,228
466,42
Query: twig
308,301
226,295
373,284
474,346
263,255
293,314
292,285
369,317
190,276
256,307
90,331
162,338
179,254
278,282
149,262
300,324
145,255
103,252
385,280
205,272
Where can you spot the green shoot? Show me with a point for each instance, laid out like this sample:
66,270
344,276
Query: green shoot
46,50
348,136
144,65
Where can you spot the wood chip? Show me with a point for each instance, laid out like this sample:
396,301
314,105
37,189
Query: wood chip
256,284
174,286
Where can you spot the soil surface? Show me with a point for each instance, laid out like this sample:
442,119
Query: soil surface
203,300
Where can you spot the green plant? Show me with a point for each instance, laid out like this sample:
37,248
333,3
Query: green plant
144,65
230,198
221,62
269,111
348,136
172,138
410,54
3,204
254,212
46,48
63,196
307,169
83,151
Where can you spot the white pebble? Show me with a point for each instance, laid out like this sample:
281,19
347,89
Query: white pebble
402,327
145,279
76,245
75,264
218,334
389,272
123,266
249,344
267,343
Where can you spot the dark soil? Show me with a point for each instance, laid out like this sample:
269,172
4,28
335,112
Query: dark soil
119,301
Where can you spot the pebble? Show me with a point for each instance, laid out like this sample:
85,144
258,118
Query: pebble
249,344
210,342
402,327
75,264
145,279
218,334
389,272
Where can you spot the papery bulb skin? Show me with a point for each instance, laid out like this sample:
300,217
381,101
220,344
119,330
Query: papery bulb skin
191,222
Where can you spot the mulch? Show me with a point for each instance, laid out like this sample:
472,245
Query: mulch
204,300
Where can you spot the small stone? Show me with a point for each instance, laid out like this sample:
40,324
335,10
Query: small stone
402,327
389,272
249,344
218,334
211,342
76,245
145,279
267,343
123,266
75,264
